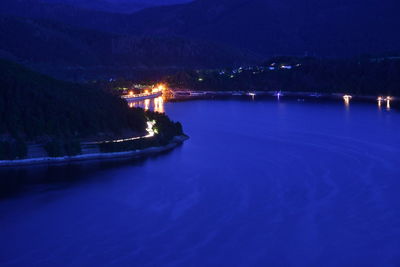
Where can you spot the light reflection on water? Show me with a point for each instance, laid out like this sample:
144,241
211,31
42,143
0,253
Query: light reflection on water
155,104
158,104
347,99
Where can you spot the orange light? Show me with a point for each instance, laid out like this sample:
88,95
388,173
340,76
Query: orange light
161,87
130,93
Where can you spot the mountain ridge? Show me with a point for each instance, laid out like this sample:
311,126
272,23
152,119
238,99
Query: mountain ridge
179,36
57,48
325,28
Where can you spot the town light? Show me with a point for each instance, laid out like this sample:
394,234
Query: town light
347,97
388,99
161,87
150,128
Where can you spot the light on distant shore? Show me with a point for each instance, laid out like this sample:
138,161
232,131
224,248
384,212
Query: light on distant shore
252,94
388,99
159,105
147,104
278,95
380,99
161,87
347,99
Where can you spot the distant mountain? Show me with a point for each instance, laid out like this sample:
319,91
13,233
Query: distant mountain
116,6
63,13
56,48
199,34
103,5
43,42
270,27
264,27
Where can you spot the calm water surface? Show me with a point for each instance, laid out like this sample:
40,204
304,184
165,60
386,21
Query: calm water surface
261,183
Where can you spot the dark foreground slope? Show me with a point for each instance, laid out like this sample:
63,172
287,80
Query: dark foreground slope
60,117
33,106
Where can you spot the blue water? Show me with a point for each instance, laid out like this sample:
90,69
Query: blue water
261,183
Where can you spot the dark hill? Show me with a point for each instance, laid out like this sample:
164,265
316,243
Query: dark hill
269,27
203,33
117,6
34,106
45,42
57,48
62,13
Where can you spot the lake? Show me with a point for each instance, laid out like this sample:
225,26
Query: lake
260,183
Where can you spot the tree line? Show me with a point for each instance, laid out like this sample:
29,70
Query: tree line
361,76
35,108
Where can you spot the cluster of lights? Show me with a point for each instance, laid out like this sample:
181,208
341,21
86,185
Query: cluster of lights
161,87
380,99
157,89
387,99
150,129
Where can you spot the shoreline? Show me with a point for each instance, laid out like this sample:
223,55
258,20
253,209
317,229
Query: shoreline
193,94
176,141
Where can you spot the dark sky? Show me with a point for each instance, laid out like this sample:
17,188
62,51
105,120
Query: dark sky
161,2
170,1
123,6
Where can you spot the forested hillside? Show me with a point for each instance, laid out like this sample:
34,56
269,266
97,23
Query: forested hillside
118,6
33,106
66,51
37,109
362,76
58,38
331,28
